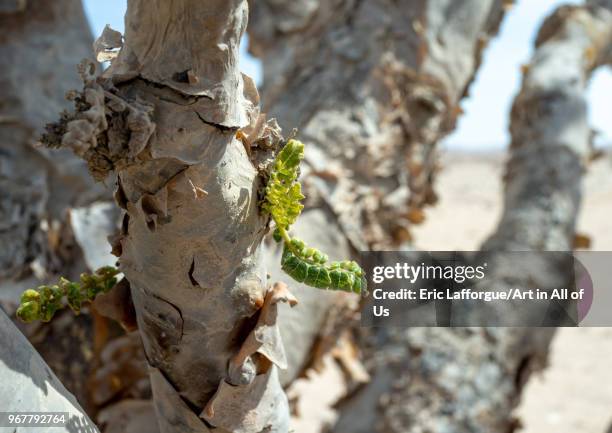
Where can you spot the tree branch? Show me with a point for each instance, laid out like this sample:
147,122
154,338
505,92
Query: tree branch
470,379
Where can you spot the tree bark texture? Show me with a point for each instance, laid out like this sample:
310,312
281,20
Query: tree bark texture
40,44
470,379
372,87
164,117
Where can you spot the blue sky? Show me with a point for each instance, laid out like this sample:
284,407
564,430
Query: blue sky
484,124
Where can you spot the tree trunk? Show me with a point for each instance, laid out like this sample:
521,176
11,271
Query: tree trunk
164,117
372,87
470,379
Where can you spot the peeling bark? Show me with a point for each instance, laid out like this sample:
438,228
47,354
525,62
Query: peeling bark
164,116
470,380
372,87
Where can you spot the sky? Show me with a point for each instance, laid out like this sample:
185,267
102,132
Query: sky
484,124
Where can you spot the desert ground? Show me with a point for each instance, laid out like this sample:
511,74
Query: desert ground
574,394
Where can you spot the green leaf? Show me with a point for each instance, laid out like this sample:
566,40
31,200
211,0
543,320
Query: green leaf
283,202
44,302
284,192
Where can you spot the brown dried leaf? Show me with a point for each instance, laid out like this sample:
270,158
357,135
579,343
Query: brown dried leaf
265,337
416,216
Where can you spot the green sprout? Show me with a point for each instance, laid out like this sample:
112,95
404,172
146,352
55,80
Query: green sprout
283,202
42,303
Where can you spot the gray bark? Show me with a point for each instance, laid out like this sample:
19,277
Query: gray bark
372,86
29,385
470,380
41,42
40,45
164,117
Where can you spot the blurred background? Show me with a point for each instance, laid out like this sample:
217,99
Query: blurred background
572,394
568,396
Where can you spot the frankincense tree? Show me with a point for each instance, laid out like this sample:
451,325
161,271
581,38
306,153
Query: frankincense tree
177,123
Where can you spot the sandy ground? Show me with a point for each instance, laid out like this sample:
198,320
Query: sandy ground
575,393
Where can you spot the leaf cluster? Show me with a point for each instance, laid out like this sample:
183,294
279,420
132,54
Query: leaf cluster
42,303
283,191
309,266
283,201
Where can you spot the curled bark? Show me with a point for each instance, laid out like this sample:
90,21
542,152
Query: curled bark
470,380
165,117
